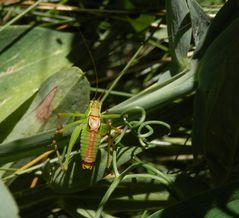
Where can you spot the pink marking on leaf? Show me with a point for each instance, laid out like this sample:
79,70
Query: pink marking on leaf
44,109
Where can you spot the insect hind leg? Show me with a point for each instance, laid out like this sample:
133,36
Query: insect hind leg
106,130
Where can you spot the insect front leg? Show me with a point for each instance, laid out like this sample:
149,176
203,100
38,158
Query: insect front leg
72,124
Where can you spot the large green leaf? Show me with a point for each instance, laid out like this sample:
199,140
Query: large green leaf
27,57
224,17
65,91
221,202
216,115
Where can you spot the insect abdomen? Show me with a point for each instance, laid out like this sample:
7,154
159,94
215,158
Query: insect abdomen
89,146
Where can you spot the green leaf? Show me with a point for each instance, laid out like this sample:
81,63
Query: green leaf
220,202
179,32
78,179
142,22
65,91
160,95
224,17
216,113
200,21
28,147
8,207
28,56
129,195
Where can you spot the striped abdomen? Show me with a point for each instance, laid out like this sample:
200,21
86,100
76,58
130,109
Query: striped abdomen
90,140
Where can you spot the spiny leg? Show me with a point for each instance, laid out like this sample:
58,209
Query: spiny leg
72,115
108,117
111,116
59,157
71,124
106,130
42,157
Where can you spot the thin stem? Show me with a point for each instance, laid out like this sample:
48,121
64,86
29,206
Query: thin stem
112,187
114,161
146,176
123,94
20,15
34,161
122,73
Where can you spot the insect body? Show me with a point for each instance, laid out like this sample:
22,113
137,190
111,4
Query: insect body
90,130
91,135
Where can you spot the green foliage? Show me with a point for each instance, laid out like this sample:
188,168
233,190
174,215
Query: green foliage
59,93
8,206
28,57
174,55
216,106
218,202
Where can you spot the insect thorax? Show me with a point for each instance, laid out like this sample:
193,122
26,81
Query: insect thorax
94,115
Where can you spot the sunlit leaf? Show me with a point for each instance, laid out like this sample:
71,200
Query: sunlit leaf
65,91
28,56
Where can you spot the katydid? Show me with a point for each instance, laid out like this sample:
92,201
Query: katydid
90,128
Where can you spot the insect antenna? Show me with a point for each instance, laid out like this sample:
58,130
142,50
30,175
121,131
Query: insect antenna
92,61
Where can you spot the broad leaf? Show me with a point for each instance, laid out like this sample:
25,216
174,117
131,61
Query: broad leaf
8,207
28,56
65,91
220,202
216,115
